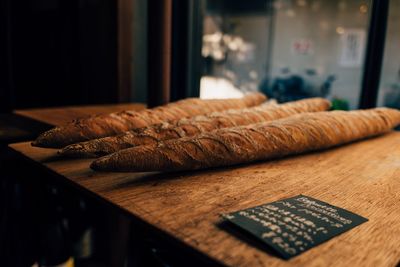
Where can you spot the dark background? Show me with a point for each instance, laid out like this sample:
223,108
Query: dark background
58,52
77,52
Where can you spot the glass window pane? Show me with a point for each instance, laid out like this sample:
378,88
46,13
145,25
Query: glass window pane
389,89
288,49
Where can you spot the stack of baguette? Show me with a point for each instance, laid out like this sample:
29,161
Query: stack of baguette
213,133
192,127
236,145
115,123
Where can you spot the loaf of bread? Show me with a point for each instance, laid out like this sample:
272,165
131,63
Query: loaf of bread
115,123
192,127
229,146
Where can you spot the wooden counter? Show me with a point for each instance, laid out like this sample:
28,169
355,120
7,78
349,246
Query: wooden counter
363,177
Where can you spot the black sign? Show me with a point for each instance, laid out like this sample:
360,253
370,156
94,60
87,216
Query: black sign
294,225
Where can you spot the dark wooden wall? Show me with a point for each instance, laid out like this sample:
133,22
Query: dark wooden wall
59,52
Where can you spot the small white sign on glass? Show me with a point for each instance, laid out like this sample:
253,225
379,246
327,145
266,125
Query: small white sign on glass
352,48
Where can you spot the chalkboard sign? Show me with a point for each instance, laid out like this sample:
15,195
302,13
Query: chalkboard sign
294,225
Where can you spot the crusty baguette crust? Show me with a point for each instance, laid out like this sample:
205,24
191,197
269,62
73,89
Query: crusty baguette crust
192,127
293,135
115,123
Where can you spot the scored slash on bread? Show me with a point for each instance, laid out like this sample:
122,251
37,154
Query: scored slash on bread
115,123
229,146
192,127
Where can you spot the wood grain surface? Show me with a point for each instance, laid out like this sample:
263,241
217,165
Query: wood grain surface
363,177
61,115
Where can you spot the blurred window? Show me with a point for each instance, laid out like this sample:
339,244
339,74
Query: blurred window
288,49
389,89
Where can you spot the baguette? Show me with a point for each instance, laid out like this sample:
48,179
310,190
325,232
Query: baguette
192,127
293,135
115,123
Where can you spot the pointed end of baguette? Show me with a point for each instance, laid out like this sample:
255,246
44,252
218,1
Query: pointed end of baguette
325,103
53,138
39,141
48,139
317,104
59,137
102,164
390,114
254,99
135,159
35,143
